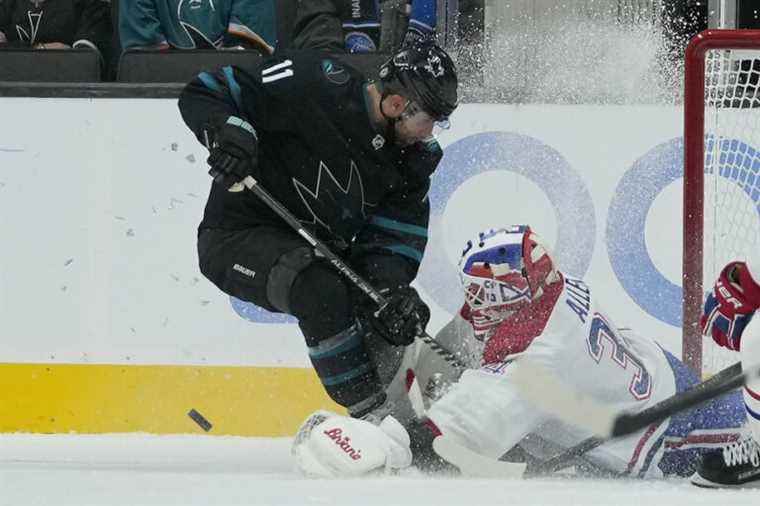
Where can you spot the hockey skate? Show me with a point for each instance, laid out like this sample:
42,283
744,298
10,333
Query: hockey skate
735,466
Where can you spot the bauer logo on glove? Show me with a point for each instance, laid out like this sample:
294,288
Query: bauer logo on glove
730,306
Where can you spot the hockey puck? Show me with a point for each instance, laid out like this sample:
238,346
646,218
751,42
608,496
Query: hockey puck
200,420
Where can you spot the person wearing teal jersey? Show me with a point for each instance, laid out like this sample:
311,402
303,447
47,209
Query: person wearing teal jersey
197,24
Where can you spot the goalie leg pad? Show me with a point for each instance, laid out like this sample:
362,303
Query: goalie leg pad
332,446
750,357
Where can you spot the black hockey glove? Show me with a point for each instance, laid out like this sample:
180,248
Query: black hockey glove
234,152
403,318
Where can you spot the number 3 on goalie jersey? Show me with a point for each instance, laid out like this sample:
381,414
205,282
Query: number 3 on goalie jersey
620,352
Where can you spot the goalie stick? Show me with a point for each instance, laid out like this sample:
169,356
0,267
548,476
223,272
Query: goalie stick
474,465
254,186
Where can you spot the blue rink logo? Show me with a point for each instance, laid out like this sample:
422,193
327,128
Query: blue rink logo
738,163
544,166
253,313
573,206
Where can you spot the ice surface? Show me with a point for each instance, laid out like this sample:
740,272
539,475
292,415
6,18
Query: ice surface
205,470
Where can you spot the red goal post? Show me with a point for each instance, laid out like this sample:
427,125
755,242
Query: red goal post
721,112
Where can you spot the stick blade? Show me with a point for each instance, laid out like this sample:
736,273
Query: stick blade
474,465
545,391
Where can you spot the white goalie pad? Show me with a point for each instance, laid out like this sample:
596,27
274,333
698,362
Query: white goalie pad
332,446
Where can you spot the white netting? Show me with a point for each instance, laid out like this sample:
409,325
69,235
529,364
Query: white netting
732,170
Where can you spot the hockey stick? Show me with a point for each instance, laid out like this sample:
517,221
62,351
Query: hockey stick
339,264
546,391
473,464
564,459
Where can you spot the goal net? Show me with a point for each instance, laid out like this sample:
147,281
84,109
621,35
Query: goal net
721,173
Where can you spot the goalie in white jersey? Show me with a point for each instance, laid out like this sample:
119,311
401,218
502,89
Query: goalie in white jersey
518,304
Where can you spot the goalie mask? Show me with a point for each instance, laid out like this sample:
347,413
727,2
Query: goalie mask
503,271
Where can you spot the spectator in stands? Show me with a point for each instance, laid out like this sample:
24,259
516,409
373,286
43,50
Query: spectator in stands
358,23
197,24
403,22
56,24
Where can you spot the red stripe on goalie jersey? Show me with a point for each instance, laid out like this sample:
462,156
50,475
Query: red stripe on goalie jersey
410,377
466,313
752,393
702,440
518,331
640,445
430,424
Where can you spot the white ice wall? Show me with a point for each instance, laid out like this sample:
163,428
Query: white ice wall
99,201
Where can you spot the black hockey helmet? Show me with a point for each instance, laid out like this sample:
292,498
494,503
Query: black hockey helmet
427,75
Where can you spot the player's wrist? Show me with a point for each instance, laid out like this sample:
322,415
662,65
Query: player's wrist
749,287
730,292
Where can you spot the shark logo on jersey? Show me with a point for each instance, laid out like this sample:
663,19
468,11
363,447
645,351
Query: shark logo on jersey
335,73
340,208
34,25
196,36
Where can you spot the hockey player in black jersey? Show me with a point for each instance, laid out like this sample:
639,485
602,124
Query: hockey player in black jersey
351,158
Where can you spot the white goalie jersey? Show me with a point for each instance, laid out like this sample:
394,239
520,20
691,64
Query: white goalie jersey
577,341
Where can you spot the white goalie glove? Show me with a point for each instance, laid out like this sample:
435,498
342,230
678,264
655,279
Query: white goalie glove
329,445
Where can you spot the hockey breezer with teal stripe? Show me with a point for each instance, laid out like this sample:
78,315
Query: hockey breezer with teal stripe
349,161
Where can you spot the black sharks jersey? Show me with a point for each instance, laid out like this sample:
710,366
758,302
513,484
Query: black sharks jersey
319,155
24,23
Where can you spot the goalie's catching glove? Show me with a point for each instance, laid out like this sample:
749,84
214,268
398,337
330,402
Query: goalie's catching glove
332,446
730,306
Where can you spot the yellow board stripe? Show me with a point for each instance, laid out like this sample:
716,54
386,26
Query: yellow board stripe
240,401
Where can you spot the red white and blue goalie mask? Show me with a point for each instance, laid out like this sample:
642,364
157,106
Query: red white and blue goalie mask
502,272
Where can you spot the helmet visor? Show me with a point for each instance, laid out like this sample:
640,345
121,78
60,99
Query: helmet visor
414,113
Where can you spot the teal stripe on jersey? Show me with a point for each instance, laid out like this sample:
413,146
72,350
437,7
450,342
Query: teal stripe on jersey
210,82
328,349
406,251
342,378
390,224
237,94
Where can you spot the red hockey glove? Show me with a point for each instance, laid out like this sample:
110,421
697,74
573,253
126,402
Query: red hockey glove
730,306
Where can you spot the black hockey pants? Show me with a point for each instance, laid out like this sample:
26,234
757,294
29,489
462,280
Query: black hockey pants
277,270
